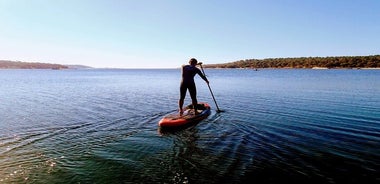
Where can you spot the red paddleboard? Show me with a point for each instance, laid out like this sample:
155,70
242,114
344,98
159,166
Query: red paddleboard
188,116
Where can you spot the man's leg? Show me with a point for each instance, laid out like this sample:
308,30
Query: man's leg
181,98
193,95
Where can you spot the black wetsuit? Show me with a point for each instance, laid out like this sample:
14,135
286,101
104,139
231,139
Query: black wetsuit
188,73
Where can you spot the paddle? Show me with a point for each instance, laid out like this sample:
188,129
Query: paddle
212,94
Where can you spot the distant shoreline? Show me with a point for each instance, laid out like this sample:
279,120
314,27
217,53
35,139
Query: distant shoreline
371,62
6,64
347,62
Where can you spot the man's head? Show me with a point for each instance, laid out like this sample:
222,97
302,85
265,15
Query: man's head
193,61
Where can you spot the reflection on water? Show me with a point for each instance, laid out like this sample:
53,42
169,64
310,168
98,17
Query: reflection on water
100,126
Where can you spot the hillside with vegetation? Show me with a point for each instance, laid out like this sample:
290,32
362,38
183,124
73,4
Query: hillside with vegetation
372,61
5,64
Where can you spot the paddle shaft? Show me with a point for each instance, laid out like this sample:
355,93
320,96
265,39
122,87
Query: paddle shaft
212,94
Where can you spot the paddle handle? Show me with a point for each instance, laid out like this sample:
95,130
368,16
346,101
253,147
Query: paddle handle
212,94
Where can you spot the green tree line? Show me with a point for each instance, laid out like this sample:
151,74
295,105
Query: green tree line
372,61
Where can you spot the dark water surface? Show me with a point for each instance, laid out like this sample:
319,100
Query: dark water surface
100,126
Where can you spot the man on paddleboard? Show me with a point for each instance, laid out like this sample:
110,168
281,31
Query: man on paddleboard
187,83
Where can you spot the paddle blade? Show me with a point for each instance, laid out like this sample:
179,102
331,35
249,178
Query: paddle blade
219,111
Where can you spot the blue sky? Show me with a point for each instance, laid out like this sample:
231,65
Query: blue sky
167,33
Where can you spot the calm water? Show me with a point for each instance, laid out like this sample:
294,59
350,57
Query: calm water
100,126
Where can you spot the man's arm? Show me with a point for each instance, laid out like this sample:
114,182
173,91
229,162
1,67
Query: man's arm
202,76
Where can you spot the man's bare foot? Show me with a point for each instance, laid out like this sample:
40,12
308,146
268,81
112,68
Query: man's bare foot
180,112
